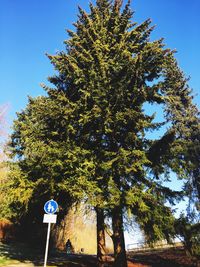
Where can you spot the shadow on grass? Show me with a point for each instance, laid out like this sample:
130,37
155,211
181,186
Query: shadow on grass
26,254
35,257
19,252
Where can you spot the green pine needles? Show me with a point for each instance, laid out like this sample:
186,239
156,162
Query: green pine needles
87,139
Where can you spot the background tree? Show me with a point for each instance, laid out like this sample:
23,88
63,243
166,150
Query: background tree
88,139
4,198
190,233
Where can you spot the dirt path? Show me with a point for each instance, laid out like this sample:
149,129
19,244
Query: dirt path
130,264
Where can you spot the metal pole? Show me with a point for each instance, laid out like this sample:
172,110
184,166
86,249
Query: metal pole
47,244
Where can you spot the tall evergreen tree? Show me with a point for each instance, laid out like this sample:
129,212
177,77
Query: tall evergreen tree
88,138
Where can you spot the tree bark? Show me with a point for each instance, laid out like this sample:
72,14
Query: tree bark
101,244
118,238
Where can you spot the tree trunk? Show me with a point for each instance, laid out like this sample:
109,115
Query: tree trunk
118,238
100,237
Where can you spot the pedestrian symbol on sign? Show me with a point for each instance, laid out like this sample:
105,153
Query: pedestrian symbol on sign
51,206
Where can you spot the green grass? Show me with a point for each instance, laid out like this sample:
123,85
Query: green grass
5,261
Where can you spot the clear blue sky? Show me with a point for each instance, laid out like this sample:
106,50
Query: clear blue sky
29,29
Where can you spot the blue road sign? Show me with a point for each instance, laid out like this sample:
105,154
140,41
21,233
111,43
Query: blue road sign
50,206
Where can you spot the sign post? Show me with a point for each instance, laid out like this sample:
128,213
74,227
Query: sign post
47,245
50,208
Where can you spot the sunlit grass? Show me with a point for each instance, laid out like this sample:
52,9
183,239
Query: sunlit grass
5,261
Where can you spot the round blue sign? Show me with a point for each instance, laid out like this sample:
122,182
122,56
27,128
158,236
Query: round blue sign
50,206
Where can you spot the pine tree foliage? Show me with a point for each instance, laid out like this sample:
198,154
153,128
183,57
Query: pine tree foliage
87,140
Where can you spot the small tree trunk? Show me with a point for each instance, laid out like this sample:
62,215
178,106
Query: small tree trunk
118,238
100,237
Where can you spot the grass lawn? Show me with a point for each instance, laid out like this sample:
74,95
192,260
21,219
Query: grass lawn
5,261
24,255
13,253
